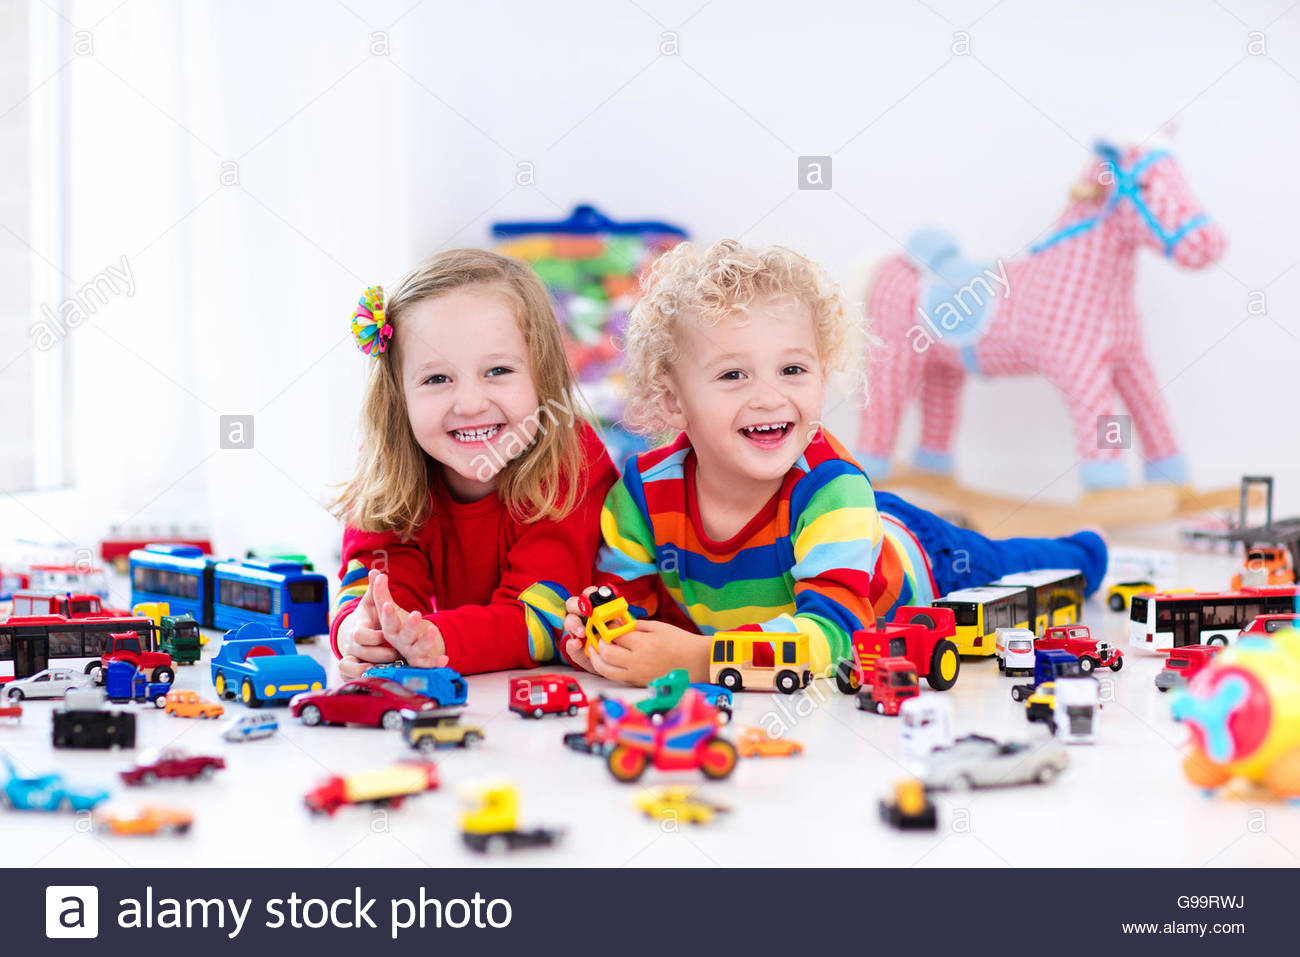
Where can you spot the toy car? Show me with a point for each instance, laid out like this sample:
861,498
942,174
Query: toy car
262,666
443,685
910,810
151,819
1183,664
924,723
717,696
1014,651
1265,565
760,660
678,803
535,695
126,646
1268,624
125,682
686,739
1048,664
373,701
50,683
428,732
489,821
189,704
385,787
83,722
888,683
976,761
250,727
46,792
171,763
1078,641
757,743
1120,594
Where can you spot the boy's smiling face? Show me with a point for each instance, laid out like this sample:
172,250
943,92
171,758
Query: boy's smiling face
748,392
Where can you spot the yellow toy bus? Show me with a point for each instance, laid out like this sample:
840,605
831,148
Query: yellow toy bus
981,611
756,660
1055,595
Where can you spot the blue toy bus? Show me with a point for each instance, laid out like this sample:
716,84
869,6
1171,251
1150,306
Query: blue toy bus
227,594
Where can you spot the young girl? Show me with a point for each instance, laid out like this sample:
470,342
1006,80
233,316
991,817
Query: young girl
755,517
477,474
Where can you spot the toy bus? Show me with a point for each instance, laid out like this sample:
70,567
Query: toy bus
227,594
981,611
1055,595
1160,620
30,644
65,578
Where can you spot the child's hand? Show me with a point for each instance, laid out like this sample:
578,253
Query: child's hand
413,636
574,623
360,636
652,649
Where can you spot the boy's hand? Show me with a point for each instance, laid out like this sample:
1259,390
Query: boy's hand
411,635
361,635
652,649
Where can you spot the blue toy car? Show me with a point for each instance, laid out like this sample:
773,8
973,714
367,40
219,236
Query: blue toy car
260,664
443,685
125,682
46,792
717,696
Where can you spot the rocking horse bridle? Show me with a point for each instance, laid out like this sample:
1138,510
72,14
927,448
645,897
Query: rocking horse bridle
1126,187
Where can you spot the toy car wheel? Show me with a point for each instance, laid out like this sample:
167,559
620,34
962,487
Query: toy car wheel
248,695
310,715
846,678
95,671
1017,694
148,777
428,744
1045,774
1087,665
160,701
730,679
573,709
219,682
1219,641
963,782
1116,602
718,759
945,665
163,675
471,738
880,707
1117,664
787,682
207,771
15,694
536,712
496,844
391,721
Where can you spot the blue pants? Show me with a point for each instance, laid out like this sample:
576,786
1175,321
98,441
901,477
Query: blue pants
961,558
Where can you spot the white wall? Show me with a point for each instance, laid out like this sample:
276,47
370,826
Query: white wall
352,166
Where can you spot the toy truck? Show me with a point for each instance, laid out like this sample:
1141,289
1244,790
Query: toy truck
921,635
1078,641
490,821
1074,710
83,722
125,646
1184,664
910,809
535,695
602,716
125,682
925,723
178,635
1049,664
892,681
384,787
70,605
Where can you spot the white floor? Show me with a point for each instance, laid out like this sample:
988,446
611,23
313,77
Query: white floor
1122,802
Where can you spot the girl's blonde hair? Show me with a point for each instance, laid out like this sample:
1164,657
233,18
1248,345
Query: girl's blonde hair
706,285
390,490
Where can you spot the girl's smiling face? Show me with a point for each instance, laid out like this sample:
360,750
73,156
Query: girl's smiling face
469,389
748,392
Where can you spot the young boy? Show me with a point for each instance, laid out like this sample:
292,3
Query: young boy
755,516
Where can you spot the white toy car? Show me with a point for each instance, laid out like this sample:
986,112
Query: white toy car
250,727
50,683
1015,651
979,762
924,723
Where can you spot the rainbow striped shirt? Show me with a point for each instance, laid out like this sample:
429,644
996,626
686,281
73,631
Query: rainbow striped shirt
817,559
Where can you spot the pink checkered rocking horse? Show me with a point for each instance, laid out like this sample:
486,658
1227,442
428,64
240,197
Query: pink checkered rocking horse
1067,311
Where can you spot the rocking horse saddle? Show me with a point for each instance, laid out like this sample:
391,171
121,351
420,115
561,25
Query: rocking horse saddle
957,296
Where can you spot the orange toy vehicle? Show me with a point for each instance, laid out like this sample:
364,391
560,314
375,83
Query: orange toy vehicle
1265,565
152,819
757,743
189,704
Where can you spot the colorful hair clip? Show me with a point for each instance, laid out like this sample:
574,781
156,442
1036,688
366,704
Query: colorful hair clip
369,327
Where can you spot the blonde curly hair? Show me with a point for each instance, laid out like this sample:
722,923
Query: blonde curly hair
690,283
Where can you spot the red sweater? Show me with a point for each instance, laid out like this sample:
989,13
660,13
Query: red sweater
471,560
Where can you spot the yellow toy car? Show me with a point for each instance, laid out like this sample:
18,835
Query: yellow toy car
679,803
1120,594
757,743
152,819
189,704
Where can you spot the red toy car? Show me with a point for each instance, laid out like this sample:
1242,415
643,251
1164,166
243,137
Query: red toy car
125,646
686,739
171,763
1265,625
376,701
1078,641
535,695
891,682
1183,664
921,635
